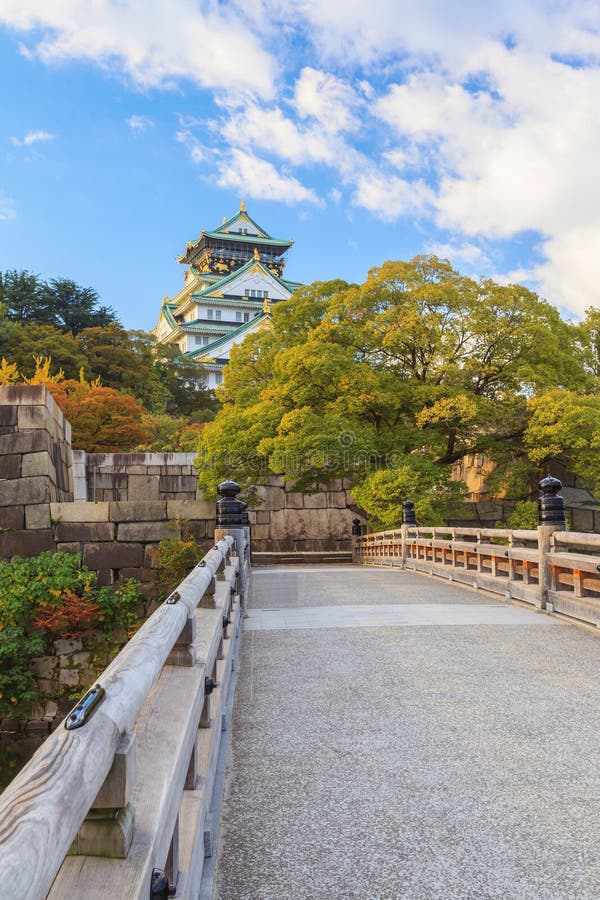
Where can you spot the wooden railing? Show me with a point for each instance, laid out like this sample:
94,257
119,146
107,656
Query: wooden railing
99,807
554,570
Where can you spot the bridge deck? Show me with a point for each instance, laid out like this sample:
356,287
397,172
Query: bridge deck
396,736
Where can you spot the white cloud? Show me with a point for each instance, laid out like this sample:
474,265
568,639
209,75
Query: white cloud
139,124
153,42
33,137
7,210
467,253
198,152
255,177
329,100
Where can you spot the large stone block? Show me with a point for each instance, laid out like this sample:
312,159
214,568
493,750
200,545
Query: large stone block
25,543
35,417
113,555
294,500
10,465
190,509
25,491
582,519
148,532
13,517
26,442
178,484
79,512
37,516
336,500
143,487
8,416
85,531
138,511
38,464
315,501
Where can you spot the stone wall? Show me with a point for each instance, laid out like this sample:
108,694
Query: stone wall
135,476
291,521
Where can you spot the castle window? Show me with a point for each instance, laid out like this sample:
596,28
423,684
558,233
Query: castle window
218,377
238,316
246,317
209,313
217,314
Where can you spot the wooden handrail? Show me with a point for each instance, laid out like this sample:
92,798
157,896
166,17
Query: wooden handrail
42,810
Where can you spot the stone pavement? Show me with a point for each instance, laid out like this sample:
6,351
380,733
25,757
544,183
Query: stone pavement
396,736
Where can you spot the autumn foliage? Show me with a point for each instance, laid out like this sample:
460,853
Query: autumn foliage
102,419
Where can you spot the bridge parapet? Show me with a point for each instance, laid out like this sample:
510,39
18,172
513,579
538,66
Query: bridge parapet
124,787
548,567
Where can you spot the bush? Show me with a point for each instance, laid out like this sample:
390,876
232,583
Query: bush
47,597
175,560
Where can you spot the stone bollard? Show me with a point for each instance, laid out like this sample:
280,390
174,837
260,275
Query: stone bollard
230,520
551,518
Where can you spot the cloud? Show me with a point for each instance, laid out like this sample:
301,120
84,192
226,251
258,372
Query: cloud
156,44
467,253
139,124
255,177
7,210
33,137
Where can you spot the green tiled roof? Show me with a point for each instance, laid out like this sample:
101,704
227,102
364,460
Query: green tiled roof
207,350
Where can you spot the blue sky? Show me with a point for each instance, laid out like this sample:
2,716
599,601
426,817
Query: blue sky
364,132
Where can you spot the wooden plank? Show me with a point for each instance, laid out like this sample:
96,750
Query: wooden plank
526,593
580,608
580,561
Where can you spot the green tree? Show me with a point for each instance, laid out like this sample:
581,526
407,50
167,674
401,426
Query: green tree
72,307
418,362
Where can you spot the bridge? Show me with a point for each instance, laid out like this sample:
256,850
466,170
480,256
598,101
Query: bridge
421,723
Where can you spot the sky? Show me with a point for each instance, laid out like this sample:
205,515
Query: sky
362,131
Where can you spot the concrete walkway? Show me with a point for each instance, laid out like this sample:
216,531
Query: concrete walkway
395,736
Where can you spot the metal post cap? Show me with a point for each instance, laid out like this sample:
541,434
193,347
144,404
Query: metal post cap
551,506
408,513
228,488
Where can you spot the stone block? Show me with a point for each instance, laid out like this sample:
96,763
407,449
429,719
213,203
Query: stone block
8,416
148,532
62,646
85,531
44,666
143,487
294,500
79,512
137,511
34,417
153,470
10,465
113,555
68,677
198,530
260,532
25,543
336,500
25,491
178,484
12,518
190,509
582,519
262,518
37,516
26,442
38,464
106,577
140,574
69,547
315,501
80,659
151,553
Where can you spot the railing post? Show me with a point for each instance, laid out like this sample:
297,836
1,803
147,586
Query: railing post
230,520
408,520
356,533
551,518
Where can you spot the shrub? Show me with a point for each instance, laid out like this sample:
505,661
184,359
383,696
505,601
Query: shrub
46,597
175,560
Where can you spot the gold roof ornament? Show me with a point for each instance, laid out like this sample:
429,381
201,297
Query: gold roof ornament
224,219
256,254
243,206
266,305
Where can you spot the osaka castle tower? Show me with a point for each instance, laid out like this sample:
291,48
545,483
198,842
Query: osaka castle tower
233,274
